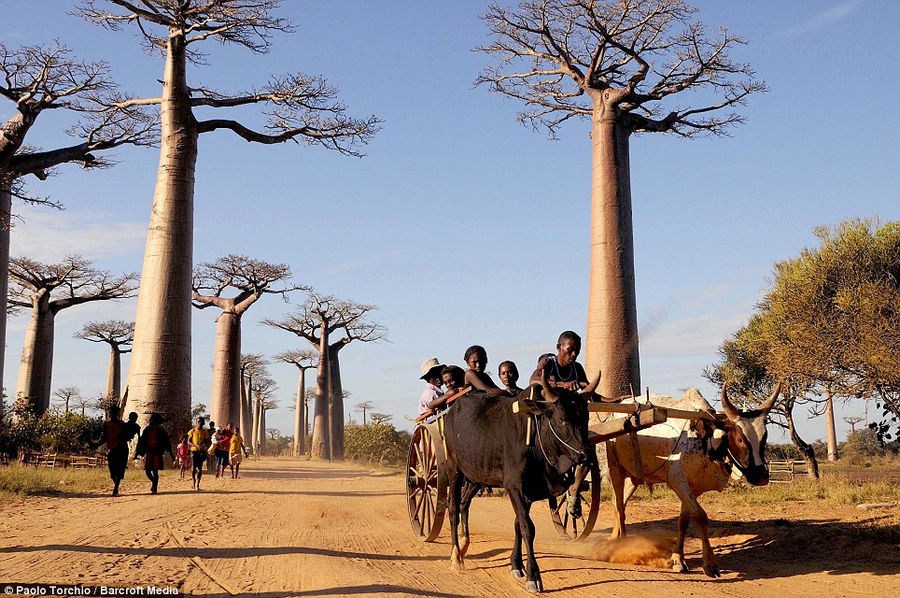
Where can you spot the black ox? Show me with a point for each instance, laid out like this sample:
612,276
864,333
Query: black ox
486,446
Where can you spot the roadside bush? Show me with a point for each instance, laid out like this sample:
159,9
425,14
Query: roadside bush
376,443
51,431
862,445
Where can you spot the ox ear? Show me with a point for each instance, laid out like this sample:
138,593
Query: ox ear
770,402
590,388
718,436
527,400
727,406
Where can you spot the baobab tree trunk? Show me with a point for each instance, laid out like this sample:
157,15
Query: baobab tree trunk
36,366
262,428
246,424
225,403
159,378
254,436
611,345
300,416
830,435
5,224
114,375
337,402
321,438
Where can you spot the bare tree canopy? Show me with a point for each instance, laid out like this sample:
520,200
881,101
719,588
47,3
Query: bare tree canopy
116,333
326,313
557,55
249,277
73,280
68,394
303,107
301,358
36,78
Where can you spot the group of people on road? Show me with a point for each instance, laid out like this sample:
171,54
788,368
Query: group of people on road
153,442
221,447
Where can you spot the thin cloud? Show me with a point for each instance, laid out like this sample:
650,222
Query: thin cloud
48,237
823,19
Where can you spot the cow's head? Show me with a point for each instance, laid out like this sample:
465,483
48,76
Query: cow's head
745,432
562,426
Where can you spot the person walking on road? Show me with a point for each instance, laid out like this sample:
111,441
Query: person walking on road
152,445
198,441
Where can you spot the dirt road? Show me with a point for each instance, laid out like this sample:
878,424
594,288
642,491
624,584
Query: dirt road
296,528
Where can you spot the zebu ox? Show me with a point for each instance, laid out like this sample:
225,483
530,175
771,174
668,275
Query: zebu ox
531,453
691,458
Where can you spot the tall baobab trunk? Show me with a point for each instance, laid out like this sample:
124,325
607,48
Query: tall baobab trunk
831,436
35,369
246,423
611,345
225,404
262,426
321,439
114,375
5,225
159,378
300,416
337,402
254,437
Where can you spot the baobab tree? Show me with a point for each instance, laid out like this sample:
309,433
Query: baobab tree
263,390
118,335
39,79
68,394
620,65
302,360
300,108
316,320
74,281
252,365
250,279
364,407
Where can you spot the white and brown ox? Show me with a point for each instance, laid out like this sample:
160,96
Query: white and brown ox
691,457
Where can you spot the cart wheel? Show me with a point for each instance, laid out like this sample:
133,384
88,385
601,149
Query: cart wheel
578,528
426,488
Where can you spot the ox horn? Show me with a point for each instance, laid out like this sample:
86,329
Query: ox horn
770,402
546,391
590,388
727,406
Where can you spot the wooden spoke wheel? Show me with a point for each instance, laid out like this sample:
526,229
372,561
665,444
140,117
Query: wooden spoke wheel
426,484
578,528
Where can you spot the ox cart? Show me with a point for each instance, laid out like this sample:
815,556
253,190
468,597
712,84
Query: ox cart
427,483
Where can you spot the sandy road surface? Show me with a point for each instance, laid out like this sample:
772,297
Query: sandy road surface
297,528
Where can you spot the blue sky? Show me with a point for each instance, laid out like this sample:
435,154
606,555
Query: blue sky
463,226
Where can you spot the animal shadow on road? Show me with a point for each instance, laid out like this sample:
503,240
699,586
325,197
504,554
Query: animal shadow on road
773,548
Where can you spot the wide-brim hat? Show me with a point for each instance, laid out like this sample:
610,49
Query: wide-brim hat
428,366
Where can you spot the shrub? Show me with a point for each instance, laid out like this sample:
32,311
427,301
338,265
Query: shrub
862,444
51,431
377,443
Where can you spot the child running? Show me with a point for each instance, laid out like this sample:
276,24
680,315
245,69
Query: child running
183,453
235,448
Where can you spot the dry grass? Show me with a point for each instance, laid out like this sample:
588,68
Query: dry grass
17,481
